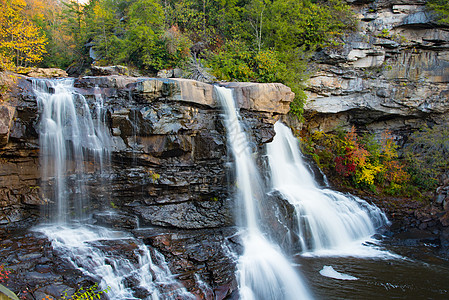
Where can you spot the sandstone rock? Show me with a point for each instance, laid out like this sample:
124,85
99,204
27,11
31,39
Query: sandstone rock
263,97
111,70
46,72
390,74
165,73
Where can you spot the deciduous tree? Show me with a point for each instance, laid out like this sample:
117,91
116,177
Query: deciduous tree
21,42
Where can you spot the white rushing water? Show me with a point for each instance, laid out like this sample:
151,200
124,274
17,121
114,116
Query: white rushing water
329,271
67,138
263,270
70,140
329,222
123,264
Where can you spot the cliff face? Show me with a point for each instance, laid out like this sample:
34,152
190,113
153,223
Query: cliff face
391,73
168,153
168,170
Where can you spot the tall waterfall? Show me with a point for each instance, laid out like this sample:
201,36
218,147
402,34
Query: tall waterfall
263,271
70,141
327,220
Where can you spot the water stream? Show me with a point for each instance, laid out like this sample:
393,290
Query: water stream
70,139
328,222
68,142
263,270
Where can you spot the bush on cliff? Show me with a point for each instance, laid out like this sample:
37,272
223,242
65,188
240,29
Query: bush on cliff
427,153
360,162
441,8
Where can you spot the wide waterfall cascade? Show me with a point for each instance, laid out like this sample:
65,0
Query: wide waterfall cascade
134,273
68,139
327,220
263,271
73,143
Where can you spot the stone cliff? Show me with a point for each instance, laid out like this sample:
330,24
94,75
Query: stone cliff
392,72
168,171
168,157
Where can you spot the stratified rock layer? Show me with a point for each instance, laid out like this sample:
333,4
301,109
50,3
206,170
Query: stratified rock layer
168,165
392,73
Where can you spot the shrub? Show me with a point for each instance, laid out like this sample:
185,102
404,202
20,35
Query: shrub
427,153
361,162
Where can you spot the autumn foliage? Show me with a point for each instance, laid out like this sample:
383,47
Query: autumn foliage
362,162
21,41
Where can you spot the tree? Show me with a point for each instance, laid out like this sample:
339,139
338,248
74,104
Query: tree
441,8
21,42
144,44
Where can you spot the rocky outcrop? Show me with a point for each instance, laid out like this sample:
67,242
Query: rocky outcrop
44,72
393,72
168,171
167,144
6,116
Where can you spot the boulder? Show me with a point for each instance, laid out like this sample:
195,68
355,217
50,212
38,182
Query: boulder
46,72
112,70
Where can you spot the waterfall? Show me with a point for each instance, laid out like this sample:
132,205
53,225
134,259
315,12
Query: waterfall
326,219
263,271
72,144
67,140
123,265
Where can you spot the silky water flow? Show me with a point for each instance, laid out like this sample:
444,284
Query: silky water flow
69,138
263,271
328,222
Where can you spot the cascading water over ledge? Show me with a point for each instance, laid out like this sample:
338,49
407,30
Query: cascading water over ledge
70,140
125,267
327,221
263,271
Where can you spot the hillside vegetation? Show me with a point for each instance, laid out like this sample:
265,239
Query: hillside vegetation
234,40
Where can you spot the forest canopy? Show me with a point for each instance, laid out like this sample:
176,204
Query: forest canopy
234,40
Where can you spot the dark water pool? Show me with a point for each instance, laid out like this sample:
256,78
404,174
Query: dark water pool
422,277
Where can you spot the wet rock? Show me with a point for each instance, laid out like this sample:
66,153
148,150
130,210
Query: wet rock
42,268
118,220
201,258
205,214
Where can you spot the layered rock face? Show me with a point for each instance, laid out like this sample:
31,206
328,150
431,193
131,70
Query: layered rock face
392,73
168,171
168,149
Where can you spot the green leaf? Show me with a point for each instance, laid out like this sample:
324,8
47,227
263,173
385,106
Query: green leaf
7,292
